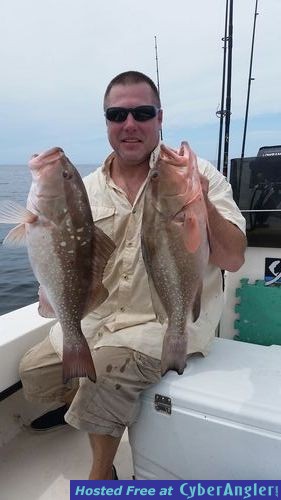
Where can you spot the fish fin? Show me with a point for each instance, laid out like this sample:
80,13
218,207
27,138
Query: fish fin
156,302
45,309
97,296
13,213
196,308
16,237
78,361
155,299
103,247
173,353
191,232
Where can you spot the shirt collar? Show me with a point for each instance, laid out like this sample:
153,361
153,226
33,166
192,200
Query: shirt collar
106,166
154,155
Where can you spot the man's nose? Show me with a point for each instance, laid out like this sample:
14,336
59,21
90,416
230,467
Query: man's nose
130,121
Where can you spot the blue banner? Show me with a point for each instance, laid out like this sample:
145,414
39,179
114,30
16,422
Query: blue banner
176,489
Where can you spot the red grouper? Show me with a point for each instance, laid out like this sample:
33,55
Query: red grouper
67,252
175,247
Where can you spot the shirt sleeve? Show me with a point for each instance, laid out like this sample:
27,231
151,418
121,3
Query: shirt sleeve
220,194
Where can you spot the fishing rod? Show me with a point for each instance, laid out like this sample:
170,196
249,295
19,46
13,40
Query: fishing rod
225,110
228,89
157,73
221,112
250,79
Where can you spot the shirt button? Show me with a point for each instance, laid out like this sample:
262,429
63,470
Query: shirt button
100,334
130,244
125,277
122,309
134,210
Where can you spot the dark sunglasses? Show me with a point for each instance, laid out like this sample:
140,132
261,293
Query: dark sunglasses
140,113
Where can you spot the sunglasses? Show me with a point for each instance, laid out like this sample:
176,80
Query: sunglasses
140,113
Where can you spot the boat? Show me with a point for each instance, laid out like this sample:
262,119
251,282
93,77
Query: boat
40,465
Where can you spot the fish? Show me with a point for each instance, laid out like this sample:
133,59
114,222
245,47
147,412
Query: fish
67,251
175,247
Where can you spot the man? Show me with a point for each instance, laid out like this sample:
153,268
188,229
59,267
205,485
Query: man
124,336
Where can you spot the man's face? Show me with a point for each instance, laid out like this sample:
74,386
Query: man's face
132,140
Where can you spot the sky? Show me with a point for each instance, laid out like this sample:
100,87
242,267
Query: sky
57,57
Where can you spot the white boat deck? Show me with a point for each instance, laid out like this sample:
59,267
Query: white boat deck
39,465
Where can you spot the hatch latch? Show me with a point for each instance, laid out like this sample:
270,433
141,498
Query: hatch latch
163,404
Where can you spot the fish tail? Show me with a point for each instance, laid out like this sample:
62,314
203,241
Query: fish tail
78,362
173,353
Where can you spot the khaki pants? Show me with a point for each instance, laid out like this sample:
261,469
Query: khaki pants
107,406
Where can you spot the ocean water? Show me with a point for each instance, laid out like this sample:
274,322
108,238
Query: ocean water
18,286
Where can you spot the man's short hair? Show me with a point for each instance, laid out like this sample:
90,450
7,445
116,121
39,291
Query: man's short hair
131,77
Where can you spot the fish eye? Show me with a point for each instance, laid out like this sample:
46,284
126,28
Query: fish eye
154,175
66,174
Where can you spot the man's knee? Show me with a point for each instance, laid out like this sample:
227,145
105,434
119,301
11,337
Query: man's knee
24,365
39,356
40,371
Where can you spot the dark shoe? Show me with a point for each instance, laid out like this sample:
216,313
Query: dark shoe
50,420
114,473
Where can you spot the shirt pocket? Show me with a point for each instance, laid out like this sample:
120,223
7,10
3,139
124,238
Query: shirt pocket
149,368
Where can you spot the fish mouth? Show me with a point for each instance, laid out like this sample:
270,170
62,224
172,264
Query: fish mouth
47,197
49,156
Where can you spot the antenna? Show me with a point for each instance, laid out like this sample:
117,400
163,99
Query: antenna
157,73
250,79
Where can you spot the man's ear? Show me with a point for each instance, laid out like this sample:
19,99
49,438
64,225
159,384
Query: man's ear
160,116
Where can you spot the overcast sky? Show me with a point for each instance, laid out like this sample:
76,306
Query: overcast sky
57,56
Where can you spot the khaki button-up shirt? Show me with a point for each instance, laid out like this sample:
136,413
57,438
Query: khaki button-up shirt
127,317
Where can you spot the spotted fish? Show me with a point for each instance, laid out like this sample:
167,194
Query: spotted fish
67,252
175,247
